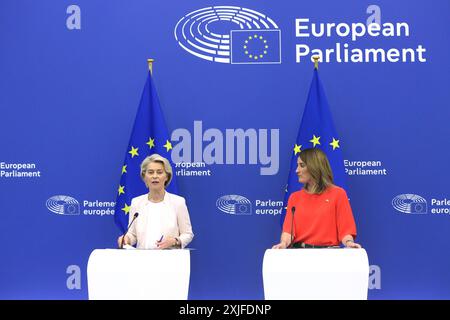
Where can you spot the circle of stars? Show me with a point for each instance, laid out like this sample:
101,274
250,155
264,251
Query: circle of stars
252,55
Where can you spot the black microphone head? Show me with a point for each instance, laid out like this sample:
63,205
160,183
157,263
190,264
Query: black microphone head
136,214
293,210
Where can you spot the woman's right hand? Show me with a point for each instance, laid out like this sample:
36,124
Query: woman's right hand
125,241
281,245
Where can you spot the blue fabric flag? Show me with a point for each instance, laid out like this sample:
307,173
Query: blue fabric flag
316,131
149,135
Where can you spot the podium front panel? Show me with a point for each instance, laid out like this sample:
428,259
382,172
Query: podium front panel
315,274
115,274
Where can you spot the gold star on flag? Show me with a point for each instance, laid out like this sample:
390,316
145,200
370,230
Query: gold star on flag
168,145
133,151
297,149
151,142
121,190
315,140
335,144
126,209
124,169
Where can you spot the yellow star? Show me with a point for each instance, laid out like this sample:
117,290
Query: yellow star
297,149
121,190
168,145
335,144
126,209
151,142
133,151
124,169
315,140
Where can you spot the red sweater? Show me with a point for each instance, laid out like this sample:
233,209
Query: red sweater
320,219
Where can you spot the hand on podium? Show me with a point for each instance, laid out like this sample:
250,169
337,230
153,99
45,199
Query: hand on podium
352,244
285,240
281,245
126,241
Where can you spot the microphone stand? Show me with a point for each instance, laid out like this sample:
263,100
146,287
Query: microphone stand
292,227
134,218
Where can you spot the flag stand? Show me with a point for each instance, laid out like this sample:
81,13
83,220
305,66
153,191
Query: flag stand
150,65
316,62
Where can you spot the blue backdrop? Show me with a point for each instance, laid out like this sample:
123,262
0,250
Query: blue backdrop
71,78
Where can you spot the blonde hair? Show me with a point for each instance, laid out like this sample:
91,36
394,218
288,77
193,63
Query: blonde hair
158,159
319,169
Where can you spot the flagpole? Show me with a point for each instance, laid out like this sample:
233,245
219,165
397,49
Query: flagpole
150,65
316,62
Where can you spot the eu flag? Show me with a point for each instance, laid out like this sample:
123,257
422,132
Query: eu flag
255,46
316,131
149,135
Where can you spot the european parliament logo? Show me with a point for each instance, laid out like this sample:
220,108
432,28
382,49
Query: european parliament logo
234,204
410,203
63,205
229,34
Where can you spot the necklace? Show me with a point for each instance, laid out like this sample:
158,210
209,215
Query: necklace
155,200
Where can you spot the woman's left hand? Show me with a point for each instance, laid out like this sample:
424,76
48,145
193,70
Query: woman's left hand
351,244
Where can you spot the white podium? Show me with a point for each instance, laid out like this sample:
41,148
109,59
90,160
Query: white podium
115,274
315,274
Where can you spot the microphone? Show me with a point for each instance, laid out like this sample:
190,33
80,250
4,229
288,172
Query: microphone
134,218
292,227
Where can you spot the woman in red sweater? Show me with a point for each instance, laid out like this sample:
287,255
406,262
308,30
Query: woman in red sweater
322,215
